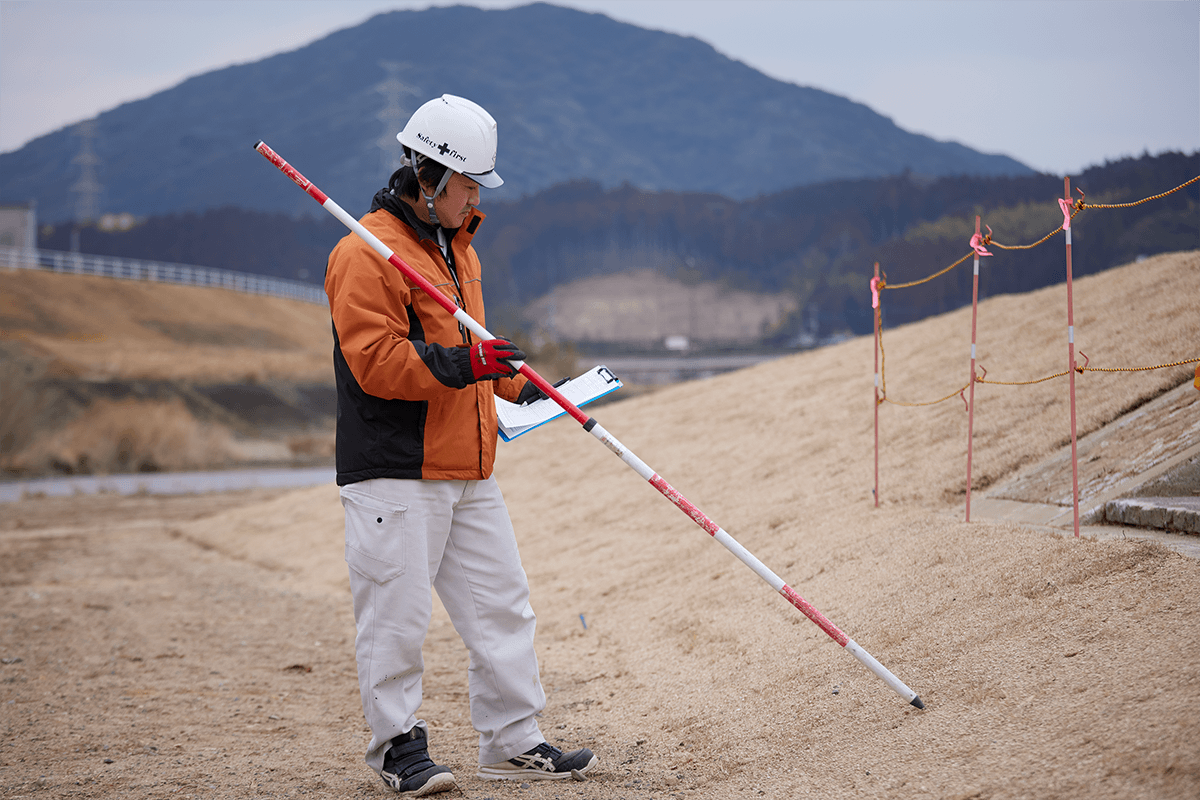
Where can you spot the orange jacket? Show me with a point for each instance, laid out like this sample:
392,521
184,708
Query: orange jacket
407,406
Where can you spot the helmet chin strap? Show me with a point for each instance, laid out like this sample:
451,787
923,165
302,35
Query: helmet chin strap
416,161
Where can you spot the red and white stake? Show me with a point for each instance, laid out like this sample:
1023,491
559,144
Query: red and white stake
1065,204
979,249
591,426
877,312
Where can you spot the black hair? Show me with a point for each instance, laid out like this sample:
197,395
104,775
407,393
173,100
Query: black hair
404,180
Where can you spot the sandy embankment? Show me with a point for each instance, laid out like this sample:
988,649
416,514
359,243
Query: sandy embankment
203,647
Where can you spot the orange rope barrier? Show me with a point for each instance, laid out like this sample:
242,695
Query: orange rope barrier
1084,369
979,244
983,379
883,398
1139,202
1078,206
1139,369
883,284
985,240
1023,383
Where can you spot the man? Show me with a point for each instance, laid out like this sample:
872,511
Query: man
416,443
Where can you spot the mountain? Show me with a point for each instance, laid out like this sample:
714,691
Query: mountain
576,96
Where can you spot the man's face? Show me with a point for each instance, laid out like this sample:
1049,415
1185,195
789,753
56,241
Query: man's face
454,204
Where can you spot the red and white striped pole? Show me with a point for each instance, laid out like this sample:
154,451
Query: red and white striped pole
976,243
1065,204
591,426
877,312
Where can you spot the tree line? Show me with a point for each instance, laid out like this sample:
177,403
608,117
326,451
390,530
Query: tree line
817,242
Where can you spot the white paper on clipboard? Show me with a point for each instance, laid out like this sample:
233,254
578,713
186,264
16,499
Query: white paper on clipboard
515,419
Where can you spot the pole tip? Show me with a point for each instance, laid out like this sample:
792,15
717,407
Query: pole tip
256,144
916,701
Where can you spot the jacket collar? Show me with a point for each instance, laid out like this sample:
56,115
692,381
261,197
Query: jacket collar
388,201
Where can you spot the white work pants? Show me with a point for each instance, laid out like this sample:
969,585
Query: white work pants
404,537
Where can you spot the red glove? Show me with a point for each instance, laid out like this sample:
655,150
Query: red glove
490,359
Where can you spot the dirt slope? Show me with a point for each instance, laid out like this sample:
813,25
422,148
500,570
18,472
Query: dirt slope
101,328
176,647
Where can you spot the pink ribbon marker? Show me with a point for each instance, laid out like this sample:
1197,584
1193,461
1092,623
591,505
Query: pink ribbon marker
977,243
874,292
1065,205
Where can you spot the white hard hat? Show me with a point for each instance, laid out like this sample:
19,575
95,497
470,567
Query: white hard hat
458,134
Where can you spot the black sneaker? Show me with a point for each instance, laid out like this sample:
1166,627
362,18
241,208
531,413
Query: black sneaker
544,762
408,769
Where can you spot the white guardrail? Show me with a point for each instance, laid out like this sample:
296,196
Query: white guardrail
158,271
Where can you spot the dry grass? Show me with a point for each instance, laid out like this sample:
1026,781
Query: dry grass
62,334
128,436
107,329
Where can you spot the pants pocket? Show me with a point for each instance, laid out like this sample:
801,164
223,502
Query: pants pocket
374,535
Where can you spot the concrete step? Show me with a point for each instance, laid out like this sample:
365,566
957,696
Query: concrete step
1178,514
1139,477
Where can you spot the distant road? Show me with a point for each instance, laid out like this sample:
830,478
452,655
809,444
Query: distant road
168,482
672,369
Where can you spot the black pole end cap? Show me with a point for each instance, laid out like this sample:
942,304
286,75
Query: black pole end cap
916,701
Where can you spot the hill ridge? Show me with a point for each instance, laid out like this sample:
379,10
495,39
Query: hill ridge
575,94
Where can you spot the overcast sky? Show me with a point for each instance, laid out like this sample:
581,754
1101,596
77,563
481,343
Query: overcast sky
1057,84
